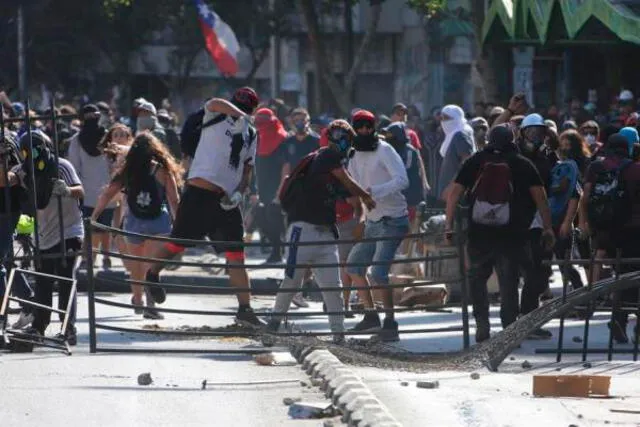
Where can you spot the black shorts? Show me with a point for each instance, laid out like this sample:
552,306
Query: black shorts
200,215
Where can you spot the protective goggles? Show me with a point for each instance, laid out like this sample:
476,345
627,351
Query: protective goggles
336,134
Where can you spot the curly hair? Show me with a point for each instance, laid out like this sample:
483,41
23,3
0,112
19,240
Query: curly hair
146,149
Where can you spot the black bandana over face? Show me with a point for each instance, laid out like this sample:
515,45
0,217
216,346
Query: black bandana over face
365,142
90,135
44,168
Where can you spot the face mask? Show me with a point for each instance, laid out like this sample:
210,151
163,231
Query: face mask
145,123
365,142
104,121
448,126
90,123
301,127
591,139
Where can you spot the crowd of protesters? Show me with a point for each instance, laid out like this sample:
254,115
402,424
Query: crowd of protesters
536,186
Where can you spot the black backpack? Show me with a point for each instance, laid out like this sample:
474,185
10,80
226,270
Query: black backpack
607,201
293,187
146,199
192,129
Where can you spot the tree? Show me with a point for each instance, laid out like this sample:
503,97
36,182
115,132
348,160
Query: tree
342,92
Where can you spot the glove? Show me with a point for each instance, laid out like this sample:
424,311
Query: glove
228,203
60,188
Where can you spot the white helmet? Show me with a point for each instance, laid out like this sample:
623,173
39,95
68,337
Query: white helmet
532,120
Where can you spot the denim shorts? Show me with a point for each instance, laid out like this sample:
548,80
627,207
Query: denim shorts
385,250
159,226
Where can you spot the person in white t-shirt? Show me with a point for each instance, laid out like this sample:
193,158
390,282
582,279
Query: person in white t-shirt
377,167
218,177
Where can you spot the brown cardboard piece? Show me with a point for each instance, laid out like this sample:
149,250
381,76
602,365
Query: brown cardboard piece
571,385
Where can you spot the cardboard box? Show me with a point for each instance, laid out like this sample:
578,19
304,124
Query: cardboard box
571,385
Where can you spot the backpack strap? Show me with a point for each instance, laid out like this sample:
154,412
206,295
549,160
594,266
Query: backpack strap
214,121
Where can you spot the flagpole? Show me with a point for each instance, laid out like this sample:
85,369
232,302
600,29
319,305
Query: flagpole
273,68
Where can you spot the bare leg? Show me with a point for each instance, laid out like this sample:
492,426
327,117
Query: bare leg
238,278
137,271
363,294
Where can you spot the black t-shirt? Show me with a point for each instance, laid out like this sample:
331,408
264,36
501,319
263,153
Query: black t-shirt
322,190
268,173
296,150
524,176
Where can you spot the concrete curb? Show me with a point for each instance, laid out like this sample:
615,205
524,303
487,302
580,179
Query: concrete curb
360,408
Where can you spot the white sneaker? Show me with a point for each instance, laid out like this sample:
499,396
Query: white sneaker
298,301
23,321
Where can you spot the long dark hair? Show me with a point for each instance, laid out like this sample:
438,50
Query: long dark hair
145,149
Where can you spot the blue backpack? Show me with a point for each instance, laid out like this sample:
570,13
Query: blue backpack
564,178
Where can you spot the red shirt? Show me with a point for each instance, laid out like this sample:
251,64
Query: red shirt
414,140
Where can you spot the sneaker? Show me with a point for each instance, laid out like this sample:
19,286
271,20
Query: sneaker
483,330
106,263
298,301
338,339
158,293
139,308
370,323
540,334
248,318
269,337
619,332
23,321
152,314
389,331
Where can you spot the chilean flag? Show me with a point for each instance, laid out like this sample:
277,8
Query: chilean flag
219,38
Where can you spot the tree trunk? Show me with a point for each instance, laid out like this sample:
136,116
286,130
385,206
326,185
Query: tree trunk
340,92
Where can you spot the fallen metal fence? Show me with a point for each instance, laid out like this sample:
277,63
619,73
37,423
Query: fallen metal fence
590,308
95,325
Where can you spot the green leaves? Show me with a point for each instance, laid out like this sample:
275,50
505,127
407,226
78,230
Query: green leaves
427,7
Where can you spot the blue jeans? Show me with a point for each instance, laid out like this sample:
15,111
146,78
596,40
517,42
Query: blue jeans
381,251
21,287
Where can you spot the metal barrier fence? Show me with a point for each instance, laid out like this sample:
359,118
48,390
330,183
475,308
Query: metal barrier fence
589,309
94,325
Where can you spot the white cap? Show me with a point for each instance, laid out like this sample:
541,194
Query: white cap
625,95
532,120
147,106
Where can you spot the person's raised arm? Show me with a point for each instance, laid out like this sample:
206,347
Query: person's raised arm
517,105
399,180
105,198
222,106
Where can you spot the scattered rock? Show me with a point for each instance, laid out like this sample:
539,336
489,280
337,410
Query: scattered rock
475,376
512,358
204,384
558,369
264,359
316,382
288,401
586,365
579,416
572,425
524,393
304,384
428,384
328,423
576,339
145,379
607,421
526,365
404,383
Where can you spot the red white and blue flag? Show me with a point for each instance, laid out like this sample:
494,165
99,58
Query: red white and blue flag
219,38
